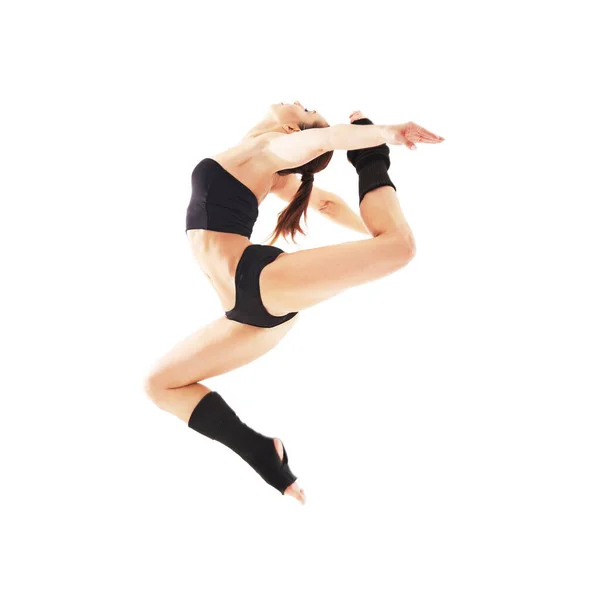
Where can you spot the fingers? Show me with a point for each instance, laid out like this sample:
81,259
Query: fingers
416,133
357,114
409,134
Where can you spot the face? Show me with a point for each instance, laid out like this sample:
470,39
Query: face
296,113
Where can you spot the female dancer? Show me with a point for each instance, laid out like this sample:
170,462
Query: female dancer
261,287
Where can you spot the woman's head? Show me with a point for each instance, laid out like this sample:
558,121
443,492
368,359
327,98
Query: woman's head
293,117
288,221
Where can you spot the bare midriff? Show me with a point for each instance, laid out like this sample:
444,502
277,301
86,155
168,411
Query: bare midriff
217,254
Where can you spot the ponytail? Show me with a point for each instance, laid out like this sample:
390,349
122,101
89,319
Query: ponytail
288,221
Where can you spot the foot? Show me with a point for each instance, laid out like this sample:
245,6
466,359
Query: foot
293,489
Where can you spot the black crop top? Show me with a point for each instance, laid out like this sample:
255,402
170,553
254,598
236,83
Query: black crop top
220,201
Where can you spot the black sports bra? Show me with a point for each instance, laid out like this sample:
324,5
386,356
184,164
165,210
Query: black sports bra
220,201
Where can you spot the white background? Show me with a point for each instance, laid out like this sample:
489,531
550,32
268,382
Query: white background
443,421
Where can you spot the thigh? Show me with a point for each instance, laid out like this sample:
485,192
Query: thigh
297,280
220,346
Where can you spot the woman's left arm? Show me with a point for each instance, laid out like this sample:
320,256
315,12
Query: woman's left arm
338,211
327,203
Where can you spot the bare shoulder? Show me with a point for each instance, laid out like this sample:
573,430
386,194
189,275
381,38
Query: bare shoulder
290,150
241,153
282,184
249,149
266,138
251,163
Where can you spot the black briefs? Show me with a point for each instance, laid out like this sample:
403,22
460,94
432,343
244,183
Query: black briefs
220,201
249,307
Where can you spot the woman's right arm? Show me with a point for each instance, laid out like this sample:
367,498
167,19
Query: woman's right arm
354,137
289,150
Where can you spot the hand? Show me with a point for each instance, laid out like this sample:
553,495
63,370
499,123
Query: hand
357,114
407,134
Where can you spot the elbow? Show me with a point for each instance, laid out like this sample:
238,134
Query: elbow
325,206
322,201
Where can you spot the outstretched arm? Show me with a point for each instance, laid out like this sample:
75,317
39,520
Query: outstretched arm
289,150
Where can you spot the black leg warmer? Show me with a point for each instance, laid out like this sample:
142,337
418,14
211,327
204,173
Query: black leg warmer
214,418
371,164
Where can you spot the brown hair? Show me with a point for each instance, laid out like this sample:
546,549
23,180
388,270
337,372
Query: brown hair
288,221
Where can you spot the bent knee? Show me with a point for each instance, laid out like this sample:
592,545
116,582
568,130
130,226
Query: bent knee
403,250
154,388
